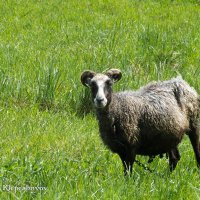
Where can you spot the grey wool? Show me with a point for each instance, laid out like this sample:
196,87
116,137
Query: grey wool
150,121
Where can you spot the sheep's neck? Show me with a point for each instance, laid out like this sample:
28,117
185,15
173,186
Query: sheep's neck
105,117
107,126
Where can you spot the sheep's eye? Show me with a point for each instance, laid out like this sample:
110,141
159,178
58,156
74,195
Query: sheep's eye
108,82
93,84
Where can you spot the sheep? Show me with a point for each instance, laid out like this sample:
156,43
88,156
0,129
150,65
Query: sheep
150,121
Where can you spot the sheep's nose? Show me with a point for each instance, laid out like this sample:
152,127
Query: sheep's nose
99,100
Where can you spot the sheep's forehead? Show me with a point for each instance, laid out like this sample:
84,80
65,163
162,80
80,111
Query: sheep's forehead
100,78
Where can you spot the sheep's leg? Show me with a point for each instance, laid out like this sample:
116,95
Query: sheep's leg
128,166
194,139
174,157
127,161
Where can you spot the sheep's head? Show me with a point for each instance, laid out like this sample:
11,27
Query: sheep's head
101,85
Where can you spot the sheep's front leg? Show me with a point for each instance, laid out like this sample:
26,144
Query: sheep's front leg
128,158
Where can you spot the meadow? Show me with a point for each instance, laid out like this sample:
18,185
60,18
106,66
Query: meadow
48,133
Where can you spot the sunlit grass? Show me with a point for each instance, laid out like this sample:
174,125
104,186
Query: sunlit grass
49,136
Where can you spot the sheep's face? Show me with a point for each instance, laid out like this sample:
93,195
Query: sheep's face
101,88
101,85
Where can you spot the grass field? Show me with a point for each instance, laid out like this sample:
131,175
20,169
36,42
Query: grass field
48,135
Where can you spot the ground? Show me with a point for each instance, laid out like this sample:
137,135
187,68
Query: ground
48,133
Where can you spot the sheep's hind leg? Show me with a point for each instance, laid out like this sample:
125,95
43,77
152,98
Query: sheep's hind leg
194,139
174,157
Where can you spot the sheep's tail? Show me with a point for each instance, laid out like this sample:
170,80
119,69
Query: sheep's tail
198,113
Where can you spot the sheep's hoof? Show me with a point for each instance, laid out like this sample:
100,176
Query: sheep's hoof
127,173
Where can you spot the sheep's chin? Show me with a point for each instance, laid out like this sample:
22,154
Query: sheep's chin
100,106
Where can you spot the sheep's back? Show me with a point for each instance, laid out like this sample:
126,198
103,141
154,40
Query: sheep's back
170,97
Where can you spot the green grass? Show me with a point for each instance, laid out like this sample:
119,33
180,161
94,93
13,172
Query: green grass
48,134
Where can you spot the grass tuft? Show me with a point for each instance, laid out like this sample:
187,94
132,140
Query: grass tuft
48,79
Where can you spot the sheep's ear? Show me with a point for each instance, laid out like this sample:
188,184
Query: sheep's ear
86,77
114,74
